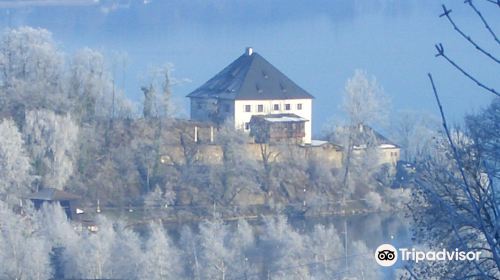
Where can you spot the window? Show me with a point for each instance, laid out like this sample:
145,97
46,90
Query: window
276,107
299,106
287,107
248,108
260,108
198,105
227,108
247,126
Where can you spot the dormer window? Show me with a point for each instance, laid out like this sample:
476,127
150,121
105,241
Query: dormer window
257,87
282,86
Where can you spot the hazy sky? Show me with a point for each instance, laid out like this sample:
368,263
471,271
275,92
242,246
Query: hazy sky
318,44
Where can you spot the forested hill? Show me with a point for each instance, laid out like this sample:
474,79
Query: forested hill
69,126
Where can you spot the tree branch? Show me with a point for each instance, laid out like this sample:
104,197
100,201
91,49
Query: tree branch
496,2
440,50
485,22
467,187
446,13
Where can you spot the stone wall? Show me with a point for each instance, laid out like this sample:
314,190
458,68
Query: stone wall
212,153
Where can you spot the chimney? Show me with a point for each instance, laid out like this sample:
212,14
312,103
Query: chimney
249,51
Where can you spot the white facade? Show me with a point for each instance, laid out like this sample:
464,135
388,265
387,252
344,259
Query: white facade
245,109
250,86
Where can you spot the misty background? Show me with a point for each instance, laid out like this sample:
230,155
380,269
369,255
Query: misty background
318,44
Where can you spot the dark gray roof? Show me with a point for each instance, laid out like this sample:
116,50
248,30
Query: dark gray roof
250,77
366,132
52,194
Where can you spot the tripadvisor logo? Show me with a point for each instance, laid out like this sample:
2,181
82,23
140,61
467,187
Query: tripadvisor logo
387,255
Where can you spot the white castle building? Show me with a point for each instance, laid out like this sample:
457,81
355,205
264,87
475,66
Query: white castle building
251,86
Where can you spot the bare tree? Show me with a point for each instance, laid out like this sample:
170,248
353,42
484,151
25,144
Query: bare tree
461,181
149,98
234,175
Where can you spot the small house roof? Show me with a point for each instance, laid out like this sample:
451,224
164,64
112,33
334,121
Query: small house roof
277,118
367,132
51,194
250,77
322,143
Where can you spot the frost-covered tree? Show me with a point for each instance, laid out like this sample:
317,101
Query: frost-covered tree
416,133
28,54
364,104
461,182
54,225
159,199
189,244
161,258
114,251
362,263
91,258
24,251
31,71
364,100
219,251
89,82
287,256
216,256
92,88
242,243
15,178
325,248
126,253
51,140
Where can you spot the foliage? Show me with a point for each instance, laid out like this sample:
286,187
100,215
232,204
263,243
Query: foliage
15,177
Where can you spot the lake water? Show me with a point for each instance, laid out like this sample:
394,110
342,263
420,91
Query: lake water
373,229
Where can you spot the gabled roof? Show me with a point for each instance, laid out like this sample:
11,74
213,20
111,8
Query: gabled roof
364,136
51,194
365,132
250,77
